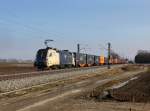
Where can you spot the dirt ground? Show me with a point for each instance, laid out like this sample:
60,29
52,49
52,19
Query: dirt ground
70,95
11,68
84,105
135,91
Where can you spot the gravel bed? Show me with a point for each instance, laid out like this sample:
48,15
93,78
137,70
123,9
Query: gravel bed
15,84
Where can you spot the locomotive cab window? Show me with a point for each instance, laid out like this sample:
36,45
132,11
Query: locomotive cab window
41,54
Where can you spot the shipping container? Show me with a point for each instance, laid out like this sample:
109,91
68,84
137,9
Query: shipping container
105,60
90,60
102,60
80,59
96,60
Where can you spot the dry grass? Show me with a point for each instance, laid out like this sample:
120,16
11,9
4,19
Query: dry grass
11,68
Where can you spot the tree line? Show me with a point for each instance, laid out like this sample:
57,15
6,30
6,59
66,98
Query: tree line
142,56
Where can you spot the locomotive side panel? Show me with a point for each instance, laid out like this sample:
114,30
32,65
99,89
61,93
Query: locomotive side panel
66,59
53,59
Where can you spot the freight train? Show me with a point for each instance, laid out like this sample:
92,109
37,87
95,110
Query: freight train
51,58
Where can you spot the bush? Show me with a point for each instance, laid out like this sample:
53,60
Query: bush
142,57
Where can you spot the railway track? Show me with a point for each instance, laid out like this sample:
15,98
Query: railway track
41,73
84,86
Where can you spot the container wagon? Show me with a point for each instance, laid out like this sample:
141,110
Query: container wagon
90,60
96,60
102,60
80,59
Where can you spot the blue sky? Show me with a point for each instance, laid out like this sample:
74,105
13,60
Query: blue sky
25,24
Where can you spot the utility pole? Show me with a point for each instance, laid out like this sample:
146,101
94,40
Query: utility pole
78,48
77,55
109,53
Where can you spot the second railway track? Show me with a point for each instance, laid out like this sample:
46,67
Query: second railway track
40,73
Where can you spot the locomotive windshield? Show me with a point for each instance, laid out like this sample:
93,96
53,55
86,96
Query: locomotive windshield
41,54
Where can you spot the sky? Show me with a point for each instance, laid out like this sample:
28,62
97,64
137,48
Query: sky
25,24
